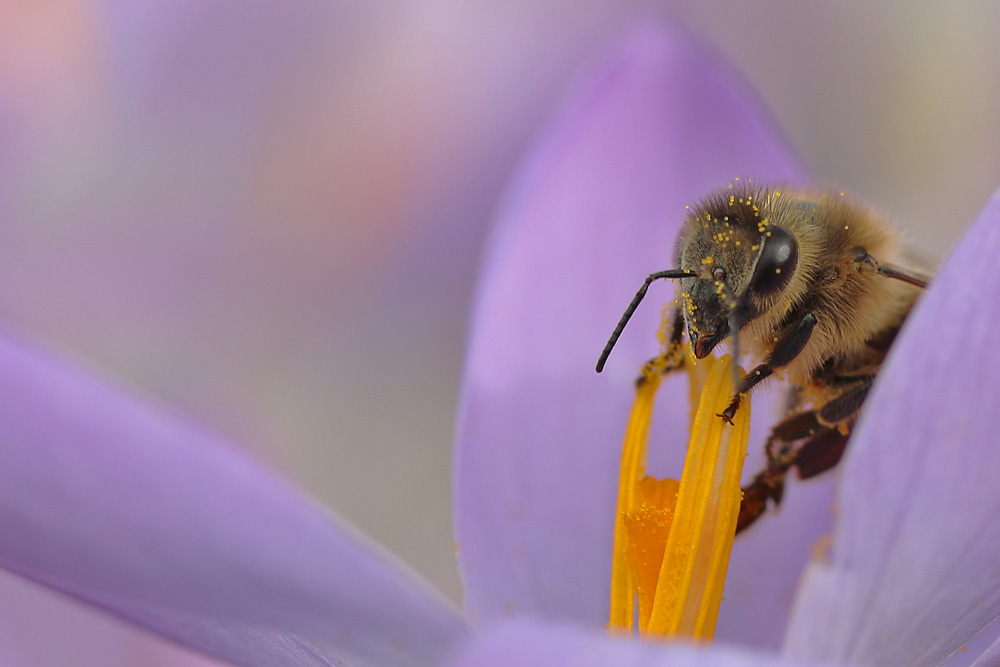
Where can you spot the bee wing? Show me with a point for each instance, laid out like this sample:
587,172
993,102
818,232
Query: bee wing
906,274
914,267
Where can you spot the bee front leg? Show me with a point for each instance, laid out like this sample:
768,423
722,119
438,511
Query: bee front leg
672,358
785,350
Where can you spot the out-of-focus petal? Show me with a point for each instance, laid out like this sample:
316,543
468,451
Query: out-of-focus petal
530,643
169,527
39,628
596,208
913,573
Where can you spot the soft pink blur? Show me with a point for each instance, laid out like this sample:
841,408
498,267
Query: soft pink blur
268,215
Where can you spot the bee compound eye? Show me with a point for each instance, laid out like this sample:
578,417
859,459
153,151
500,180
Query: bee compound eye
778,257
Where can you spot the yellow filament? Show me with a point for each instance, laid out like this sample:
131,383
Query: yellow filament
673,540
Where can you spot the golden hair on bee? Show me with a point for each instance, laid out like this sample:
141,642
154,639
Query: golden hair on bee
809,281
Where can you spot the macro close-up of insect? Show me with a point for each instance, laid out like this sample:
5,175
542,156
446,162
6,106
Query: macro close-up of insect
816,286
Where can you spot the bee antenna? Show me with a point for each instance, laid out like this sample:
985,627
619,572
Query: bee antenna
671,273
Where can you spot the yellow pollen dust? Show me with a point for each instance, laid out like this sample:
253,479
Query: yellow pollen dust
673,539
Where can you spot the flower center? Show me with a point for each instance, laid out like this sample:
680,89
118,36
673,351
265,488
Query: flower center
673,539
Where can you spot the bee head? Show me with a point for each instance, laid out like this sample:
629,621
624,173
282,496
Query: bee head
738,262
733,263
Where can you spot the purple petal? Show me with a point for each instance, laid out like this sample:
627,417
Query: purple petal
167,526
913,574
527,643
989,657
32,616
982,651
595,210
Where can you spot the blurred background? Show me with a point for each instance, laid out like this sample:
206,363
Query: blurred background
268,215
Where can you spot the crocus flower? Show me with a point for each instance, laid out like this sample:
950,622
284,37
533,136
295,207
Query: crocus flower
535,492
120,504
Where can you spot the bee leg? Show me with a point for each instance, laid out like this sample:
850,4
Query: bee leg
769,484
823,451
826,432
672,357
784,352
820,452
847,404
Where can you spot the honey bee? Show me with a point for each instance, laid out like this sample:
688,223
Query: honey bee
809,279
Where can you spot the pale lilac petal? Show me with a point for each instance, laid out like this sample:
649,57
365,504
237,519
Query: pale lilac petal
914,572
596,208
768,561
990,657
39,627
530,643
982,651
165,525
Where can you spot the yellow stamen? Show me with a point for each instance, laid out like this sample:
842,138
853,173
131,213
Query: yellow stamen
647,525
673,540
